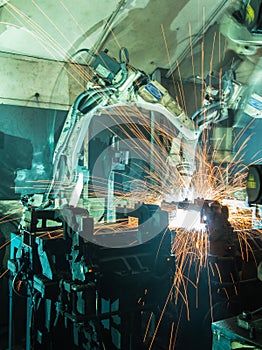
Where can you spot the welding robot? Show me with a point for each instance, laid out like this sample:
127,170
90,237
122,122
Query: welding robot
82,290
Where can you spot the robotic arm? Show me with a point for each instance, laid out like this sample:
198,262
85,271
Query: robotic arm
242,25
116,83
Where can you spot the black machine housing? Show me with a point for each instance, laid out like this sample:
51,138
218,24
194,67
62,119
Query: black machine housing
76,294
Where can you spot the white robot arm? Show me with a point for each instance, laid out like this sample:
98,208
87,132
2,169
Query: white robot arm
115,84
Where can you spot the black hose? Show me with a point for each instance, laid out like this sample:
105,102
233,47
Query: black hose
90,94
123,55
124,59
83,50
94,96
205,109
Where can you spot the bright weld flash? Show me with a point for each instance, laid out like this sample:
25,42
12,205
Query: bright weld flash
188,219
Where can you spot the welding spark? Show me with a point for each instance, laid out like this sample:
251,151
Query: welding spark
4,273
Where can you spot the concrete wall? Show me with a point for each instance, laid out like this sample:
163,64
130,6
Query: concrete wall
41,83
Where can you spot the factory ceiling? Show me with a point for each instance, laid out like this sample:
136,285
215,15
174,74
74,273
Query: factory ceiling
157,33
182,38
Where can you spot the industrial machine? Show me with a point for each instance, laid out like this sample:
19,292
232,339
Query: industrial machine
243,27
119,94
82,295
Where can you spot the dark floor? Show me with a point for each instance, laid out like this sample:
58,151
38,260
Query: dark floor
191,334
